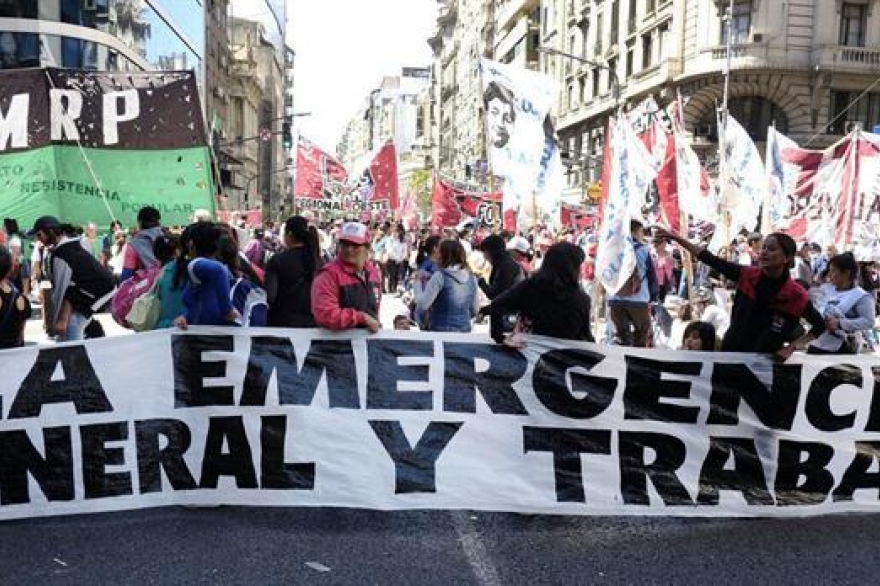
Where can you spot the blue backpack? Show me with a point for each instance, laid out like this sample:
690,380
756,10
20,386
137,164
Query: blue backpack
251,303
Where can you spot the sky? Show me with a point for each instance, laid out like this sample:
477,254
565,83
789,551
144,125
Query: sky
344,48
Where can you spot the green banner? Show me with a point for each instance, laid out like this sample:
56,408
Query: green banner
90,146
86,185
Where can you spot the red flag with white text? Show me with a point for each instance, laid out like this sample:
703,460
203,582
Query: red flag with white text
450,206
318,174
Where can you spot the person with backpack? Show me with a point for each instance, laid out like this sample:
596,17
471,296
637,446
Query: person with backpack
630,306
206,296
139,252
80,285
247,297
289,276
172,279
15,309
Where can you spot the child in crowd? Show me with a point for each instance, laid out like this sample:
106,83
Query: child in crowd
699,336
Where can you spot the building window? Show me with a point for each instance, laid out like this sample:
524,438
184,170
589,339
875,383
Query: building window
662,34
740,24
585,31
615,20
630,57
853,23
595,75
633,14
545,20
866,111
599,32
647,51
612,71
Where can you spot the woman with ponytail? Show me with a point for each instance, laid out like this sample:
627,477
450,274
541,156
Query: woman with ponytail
289,276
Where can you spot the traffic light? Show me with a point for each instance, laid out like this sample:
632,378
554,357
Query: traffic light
286,135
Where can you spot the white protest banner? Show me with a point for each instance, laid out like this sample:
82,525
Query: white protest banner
432,421
830,196
521,140
632,170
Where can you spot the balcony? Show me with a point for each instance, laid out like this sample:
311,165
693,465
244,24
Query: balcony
849,59
745,57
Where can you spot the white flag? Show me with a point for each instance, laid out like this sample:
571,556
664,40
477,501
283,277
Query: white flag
742,189
632,170
781,179
519,138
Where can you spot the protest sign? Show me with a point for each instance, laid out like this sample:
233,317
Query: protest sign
450,206
432,421
87,146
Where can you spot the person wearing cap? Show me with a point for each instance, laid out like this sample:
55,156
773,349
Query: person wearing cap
347,292
139,252
80,285
706,310
522,253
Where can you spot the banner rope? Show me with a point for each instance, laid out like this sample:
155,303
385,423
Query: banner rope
85,157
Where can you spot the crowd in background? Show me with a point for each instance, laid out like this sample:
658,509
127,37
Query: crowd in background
762,293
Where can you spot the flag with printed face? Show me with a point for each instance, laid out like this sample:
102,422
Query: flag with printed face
521,142
318,174
632,170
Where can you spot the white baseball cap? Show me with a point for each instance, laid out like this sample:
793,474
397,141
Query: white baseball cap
354,232
519,244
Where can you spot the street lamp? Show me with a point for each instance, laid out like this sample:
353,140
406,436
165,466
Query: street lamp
615,82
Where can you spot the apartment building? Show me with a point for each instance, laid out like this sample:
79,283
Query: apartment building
796,64
465,33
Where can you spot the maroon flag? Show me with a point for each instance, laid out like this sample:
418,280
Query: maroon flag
450,206
318,175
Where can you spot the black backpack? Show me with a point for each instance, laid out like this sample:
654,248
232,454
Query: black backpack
91,285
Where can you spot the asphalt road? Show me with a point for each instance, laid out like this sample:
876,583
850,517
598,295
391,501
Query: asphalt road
233,545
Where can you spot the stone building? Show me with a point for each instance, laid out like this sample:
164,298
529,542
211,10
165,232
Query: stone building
465,33
796,64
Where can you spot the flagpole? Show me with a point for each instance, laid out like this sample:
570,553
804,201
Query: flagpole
722,125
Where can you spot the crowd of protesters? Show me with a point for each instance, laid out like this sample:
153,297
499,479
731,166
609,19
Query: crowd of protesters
765,294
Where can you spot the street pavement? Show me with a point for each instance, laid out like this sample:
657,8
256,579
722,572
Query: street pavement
254,545
236,545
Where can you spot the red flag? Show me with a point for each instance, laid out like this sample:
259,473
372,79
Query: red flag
318,174
450,206
379,182
576,217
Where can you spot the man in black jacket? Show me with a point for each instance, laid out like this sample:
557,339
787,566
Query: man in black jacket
506,272
80,285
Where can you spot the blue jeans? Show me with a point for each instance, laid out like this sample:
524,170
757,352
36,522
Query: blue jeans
76,327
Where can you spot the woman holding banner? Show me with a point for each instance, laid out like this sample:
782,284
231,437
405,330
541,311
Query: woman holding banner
550,303
769,305
848,309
